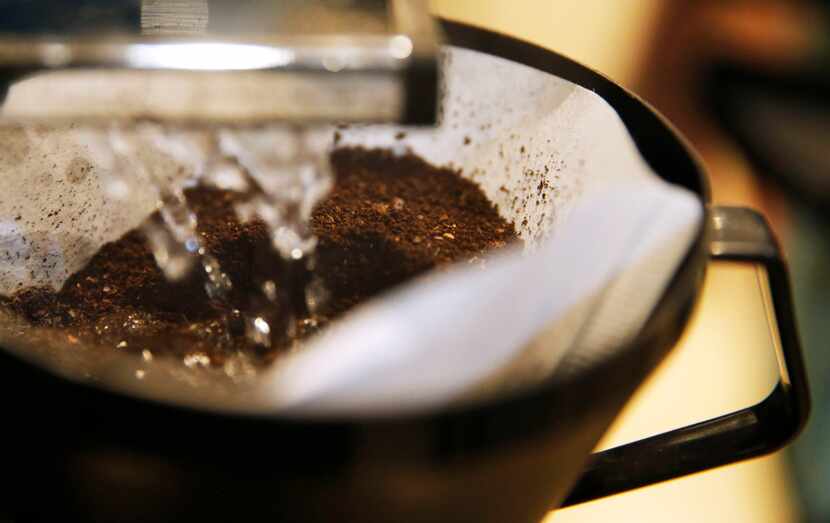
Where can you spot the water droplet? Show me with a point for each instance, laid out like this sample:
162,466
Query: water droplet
227,176
171,257
316,295
245,211
218,283
196,359
192,245
269,288
262,325
239,367
259,331
291,244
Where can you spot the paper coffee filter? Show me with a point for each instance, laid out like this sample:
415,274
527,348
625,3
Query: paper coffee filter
65,194
604,236
470,333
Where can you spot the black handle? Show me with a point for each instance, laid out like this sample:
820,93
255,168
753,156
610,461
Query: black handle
739,235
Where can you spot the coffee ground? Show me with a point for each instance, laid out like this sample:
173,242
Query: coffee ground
388,219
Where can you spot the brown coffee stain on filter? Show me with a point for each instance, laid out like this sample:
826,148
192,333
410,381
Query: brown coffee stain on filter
78,169
388,219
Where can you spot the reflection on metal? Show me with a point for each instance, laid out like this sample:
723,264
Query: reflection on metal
166,17
378,56
208,56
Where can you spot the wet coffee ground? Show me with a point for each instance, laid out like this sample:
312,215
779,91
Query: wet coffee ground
388,219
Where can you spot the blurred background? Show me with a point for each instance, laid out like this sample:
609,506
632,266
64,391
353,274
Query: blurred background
748,83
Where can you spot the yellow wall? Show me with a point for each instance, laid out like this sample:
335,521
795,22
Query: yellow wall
608,35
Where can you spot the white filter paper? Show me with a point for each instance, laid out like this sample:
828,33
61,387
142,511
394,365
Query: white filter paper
603,235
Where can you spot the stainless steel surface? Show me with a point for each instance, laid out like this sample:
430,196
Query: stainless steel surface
299,61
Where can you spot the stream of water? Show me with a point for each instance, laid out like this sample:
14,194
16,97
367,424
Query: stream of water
280,171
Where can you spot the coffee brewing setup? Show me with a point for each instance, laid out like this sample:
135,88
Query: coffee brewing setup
476,392
135,81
